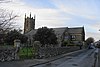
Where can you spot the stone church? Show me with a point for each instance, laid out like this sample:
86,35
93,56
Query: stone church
75,35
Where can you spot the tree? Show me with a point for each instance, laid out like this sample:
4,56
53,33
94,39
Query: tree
5,1
45,36
6,24
14,34
7,21
6,18
89,40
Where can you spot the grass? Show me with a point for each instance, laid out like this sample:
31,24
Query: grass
26,52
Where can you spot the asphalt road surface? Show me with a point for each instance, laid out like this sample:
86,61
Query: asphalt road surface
84,59
99,58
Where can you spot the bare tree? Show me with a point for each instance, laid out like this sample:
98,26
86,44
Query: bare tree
7,21
6,18
5,1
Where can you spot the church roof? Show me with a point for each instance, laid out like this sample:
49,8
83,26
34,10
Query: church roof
76,30
32,32
60,31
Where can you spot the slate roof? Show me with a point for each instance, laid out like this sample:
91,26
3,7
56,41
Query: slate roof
59,31
76,30
31,33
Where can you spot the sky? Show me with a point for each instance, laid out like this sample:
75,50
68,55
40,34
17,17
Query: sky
59,13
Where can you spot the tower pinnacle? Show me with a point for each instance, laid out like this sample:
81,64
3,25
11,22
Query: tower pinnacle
30,14
34,16
25,15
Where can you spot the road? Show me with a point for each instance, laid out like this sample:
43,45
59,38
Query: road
84,59
74,59
22,63
99,58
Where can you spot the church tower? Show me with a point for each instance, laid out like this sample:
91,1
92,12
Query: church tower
29,23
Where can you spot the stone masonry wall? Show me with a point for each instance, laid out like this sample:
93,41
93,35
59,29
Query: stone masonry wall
7,53
54,51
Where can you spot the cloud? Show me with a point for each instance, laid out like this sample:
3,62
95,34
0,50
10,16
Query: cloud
85,9
96,36
67,13
91,17
44,16
95,26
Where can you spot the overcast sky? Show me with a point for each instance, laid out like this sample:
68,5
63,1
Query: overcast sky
59,13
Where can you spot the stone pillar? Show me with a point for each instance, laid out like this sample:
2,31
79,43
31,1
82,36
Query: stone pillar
17,47
16,43
36,46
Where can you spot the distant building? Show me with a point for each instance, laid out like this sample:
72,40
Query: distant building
75,35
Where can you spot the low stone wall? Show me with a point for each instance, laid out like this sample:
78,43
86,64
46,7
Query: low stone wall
50,52
10,53
7,53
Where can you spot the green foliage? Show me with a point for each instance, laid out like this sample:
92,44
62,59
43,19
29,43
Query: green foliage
14,34
45,36
89,40
72,44
2,39
64,43
26,52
